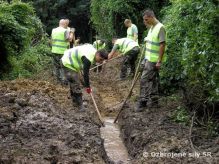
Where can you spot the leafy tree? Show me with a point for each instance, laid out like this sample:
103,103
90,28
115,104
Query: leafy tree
20,29
77,11
193,59
108,16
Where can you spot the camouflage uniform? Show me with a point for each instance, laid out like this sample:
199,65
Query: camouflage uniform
75,89
58,68
129,61
149,85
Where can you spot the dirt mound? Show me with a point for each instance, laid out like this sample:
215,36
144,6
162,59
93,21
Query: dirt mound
151,132
38,124
152,137
109,90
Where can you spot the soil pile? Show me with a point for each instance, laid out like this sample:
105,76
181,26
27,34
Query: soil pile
153,137
38,124
150,133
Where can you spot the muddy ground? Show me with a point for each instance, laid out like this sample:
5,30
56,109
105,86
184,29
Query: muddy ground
38,124
153,131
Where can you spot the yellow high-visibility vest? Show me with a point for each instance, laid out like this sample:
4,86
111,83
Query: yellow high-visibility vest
59,43
125,45
72,57
130,32
153,44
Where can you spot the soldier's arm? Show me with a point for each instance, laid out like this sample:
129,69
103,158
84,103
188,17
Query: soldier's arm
135,31
113,51
162,40
161,51
86,68
68,36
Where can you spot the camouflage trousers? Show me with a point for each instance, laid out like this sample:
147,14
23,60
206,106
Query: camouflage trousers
58,68
149,84
129,61
75,87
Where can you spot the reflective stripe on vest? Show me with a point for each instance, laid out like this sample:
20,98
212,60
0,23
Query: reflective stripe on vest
126,44
72,58
130,33
75,60
78,59
59,43
153,44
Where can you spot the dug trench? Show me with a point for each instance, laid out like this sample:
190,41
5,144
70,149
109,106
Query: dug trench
151,136
38,124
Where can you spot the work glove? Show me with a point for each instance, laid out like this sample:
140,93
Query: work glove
88,90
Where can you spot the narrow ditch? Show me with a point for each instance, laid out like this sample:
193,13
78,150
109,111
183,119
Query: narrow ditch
113,144
109,96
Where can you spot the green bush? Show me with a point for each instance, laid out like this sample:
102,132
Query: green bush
50,12
22,40
193,59
181,115
34,60
107,16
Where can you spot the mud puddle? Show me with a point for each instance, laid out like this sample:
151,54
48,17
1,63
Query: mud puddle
113,143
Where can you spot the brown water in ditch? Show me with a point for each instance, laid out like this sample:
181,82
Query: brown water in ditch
113,144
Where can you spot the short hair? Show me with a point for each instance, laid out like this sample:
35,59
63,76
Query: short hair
103,53
62,22
149,13
127,21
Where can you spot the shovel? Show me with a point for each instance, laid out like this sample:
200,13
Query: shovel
127,97
98,112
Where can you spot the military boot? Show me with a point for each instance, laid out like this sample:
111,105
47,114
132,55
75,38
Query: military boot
80,104
140,106
77,99
153,103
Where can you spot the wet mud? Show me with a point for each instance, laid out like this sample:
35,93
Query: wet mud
152,137
152,132
38,124
113,143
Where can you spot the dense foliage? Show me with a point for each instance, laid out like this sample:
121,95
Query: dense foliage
108,16
192,29
51,11
20,39
193,52
193,58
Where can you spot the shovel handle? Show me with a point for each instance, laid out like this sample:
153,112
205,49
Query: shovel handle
98,112
106,62
127,97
